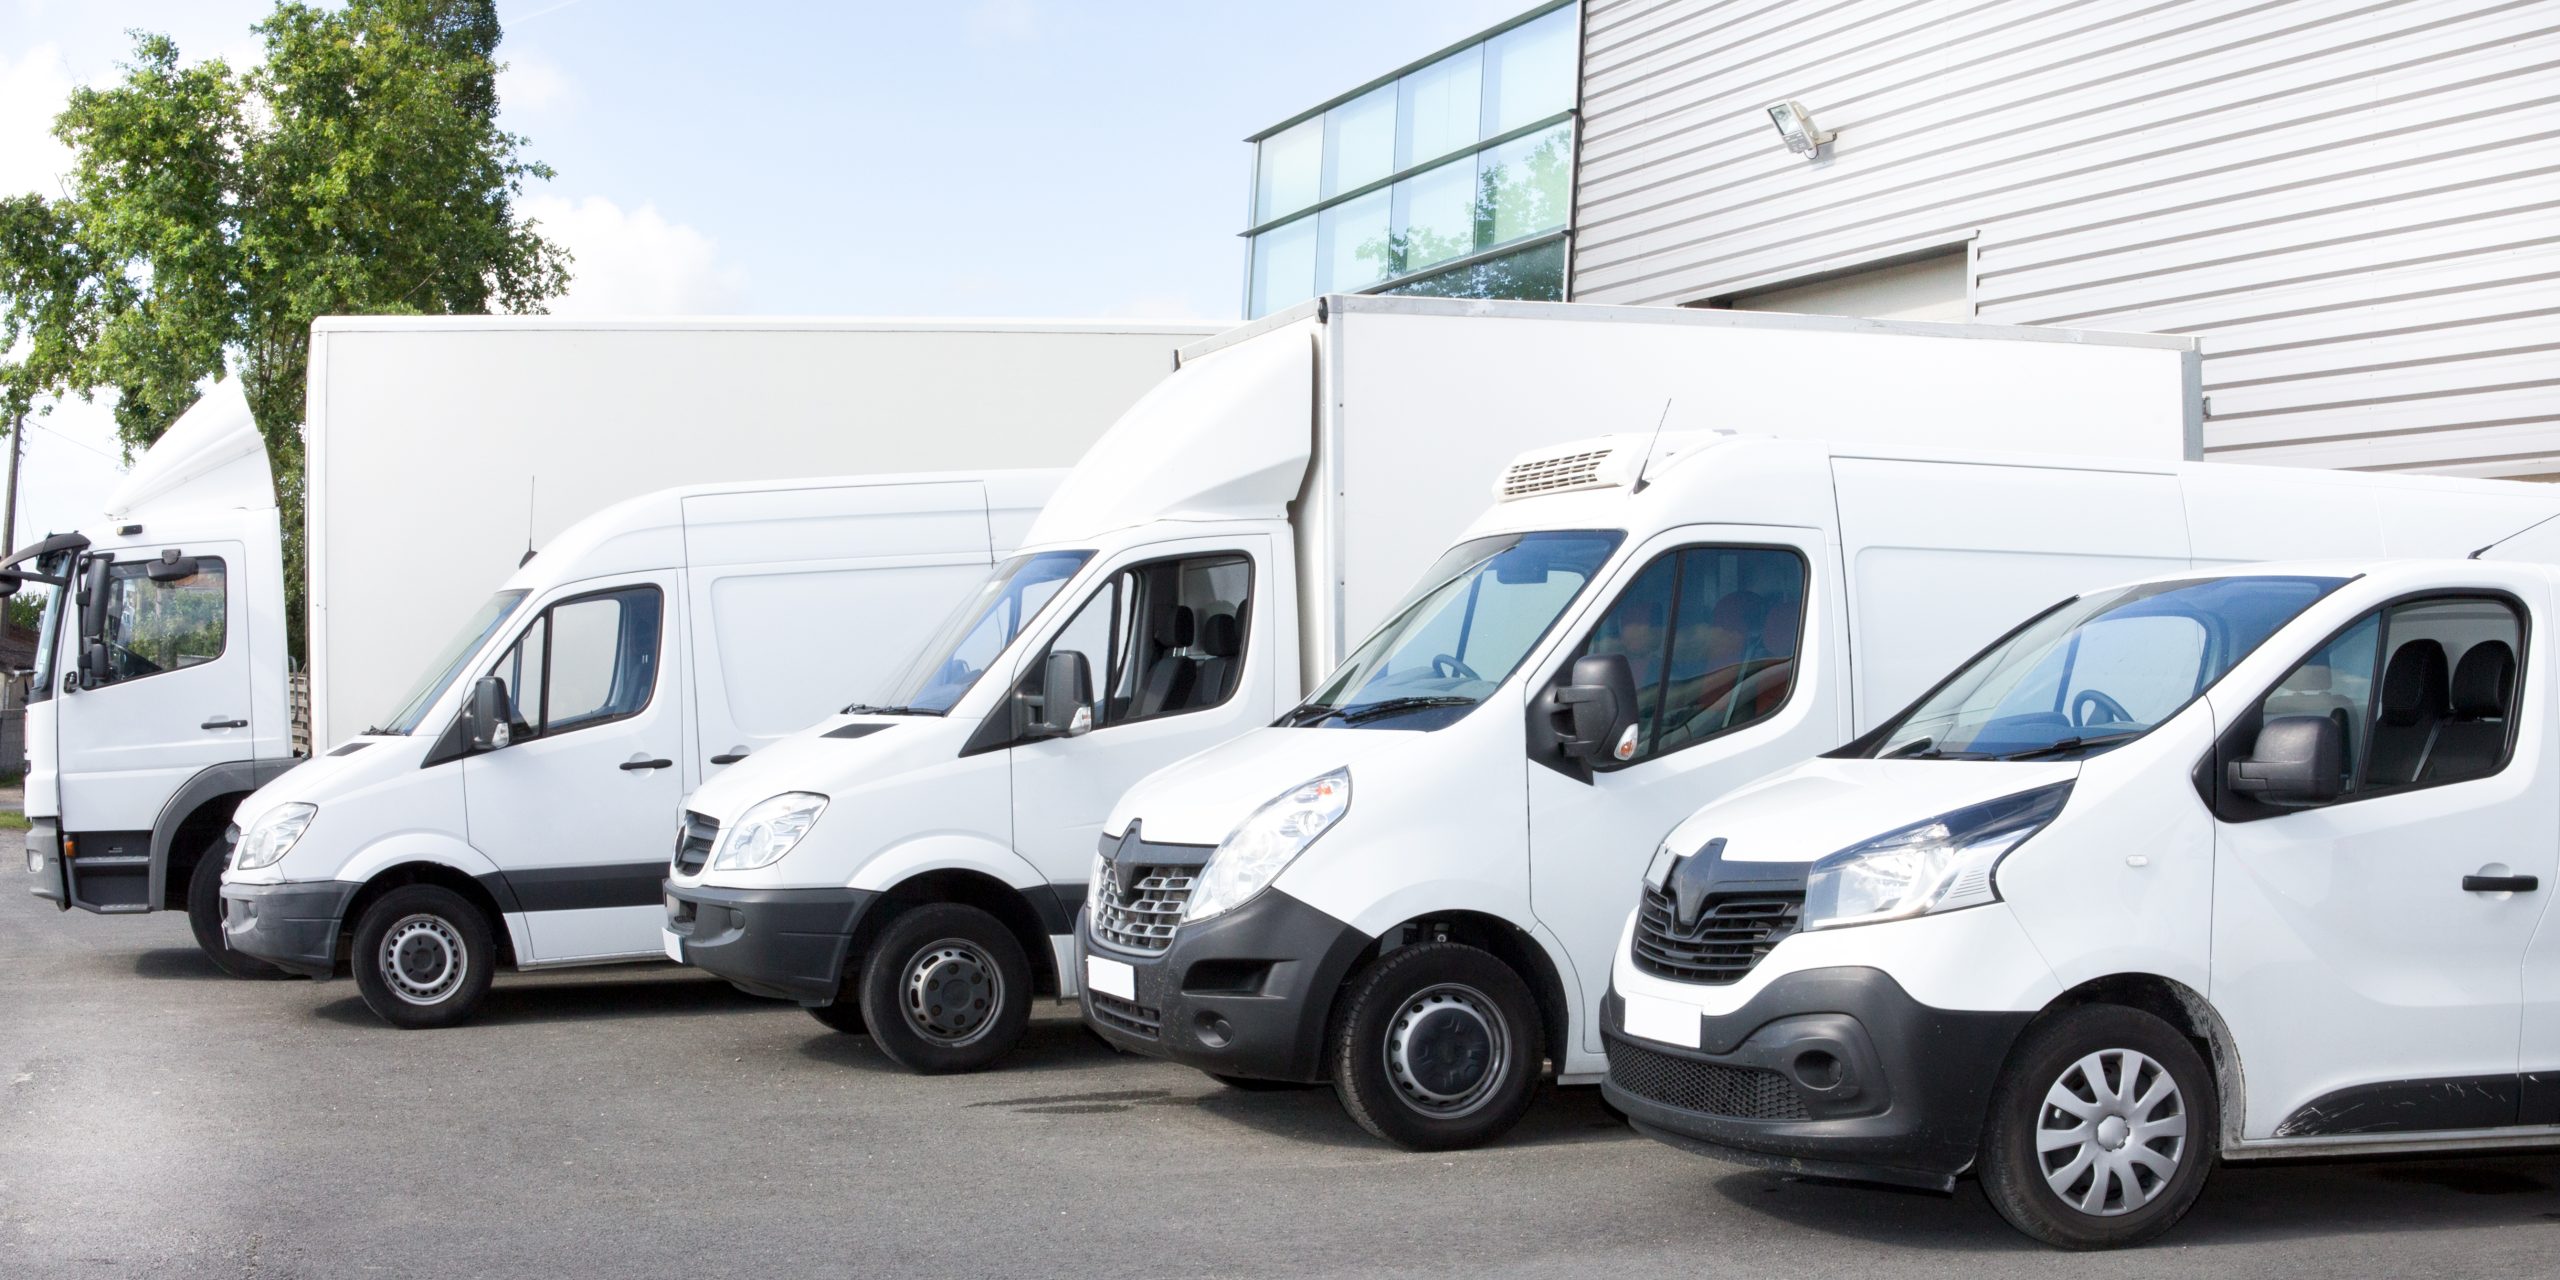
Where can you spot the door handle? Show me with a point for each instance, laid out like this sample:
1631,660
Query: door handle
224,724
644,762
729,757
2501,884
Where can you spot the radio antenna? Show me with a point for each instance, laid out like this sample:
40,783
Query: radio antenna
1647,459
2512,536
529,483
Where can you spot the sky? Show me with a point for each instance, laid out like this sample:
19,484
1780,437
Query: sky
950,158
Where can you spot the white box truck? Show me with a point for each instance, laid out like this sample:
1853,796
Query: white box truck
915,867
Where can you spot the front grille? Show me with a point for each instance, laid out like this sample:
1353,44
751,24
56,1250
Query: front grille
1136,1019
1707,1088
1553,473
1144,920
693,843
1732,934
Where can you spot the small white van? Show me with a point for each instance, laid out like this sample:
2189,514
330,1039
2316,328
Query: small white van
1413,883
2238,865
515,808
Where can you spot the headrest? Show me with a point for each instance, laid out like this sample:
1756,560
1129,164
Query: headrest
1173,631
1220,636
2413,685
2483,679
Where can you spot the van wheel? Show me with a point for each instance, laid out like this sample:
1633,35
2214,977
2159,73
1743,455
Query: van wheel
423,957
204,916
2102,1129
946,989
1436,1047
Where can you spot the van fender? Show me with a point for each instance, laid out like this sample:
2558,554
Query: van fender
948,851
1414,901
231,777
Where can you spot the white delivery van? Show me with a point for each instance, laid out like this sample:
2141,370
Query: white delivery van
1413,883
513,807
915,866
2242,865
158,697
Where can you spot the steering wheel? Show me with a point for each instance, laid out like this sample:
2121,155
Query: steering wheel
1445,665
2114,710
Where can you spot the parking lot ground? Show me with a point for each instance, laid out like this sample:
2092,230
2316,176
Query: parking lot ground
164,1120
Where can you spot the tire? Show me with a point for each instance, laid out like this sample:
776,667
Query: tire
1437,1047
946,989
1247,1084
423,957
2069,1074
204,916
844,1015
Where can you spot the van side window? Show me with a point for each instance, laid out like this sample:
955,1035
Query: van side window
2426,692
1711,634
585,661
154,627
1163,638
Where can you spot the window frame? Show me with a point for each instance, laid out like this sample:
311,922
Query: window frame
142,570
542,618
1574,652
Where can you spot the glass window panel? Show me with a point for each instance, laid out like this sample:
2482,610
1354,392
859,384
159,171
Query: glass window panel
1527,186
153,627
1435,215
1438,106
1733,645
1528,72
1284,266
1289,164
1359,141
1532,275
1352,250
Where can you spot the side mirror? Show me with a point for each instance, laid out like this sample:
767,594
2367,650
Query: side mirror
484,716
1596,710
2298,761
172,567
9,583
93,599
97,663
1064,701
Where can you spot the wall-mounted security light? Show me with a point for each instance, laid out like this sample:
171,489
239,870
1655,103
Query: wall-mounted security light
1802,135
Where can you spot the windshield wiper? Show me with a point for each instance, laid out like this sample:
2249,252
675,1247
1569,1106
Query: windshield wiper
2068,745
1397,706
370,731
1305,713
866,709
1921,748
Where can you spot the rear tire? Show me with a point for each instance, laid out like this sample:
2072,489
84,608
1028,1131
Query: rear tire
946,989
1437,1047
2102,1130
423,957
204,915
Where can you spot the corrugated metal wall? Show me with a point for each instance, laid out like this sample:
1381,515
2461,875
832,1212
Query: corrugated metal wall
2355,205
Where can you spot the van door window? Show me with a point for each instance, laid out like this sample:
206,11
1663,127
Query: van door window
154,627
2425,692
1711,634
1162,638
582,662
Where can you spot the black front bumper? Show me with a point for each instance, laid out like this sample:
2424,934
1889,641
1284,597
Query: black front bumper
291,926
1246,993
1829,1072
785,944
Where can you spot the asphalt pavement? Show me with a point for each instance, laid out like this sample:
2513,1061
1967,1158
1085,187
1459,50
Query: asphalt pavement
164,1120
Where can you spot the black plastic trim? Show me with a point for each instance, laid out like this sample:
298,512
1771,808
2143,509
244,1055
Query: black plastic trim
292,926
1133,847
208,783
1058,905
619,884
783,944
840,731
1273,1031
2413,1106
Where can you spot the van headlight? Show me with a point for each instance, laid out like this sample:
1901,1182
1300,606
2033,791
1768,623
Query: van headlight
768,830
272,835
1940,864
1254,854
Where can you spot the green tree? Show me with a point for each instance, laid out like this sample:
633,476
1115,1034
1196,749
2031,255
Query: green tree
357,170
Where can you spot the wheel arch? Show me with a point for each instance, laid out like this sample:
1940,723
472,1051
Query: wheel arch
2184,1008
1506,941
969,887
193,815
441,875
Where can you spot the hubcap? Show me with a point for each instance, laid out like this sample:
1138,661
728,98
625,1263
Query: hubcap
953,992
422,959
2111,1132
1446,1050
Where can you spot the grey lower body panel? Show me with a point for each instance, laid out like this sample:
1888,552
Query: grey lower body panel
45,876
291,926
784,944
1245,993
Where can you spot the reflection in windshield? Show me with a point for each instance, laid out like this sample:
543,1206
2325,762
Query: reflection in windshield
1480,610
2097,671
448,662
977,632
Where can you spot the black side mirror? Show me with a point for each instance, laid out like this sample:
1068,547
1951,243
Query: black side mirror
1062,702
10,580
2298,761
1596,710
484,716
172,567
93,599
97,663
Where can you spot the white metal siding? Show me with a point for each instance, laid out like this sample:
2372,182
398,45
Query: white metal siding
2355,205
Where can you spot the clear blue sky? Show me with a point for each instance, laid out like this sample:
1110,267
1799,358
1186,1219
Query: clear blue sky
965,157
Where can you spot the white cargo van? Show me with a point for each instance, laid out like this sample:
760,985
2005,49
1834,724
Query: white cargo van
1412,884
2242,865
914,868
514,807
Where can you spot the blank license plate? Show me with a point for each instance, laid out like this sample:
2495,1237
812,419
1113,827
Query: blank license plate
1664,1020
1110,977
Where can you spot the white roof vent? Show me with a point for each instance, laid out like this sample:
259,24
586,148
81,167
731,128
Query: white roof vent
1602,462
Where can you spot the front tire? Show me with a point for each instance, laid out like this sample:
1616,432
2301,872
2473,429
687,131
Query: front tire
2102,1129
1437,1047
946,989
204,916
423,957
844,1015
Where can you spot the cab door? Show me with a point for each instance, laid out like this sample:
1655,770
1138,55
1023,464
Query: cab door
171,698
579,808
1720,627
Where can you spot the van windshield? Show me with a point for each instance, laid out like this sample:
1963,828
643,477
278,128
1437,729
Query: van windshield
448,663
976,634
2097,671
1477,614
